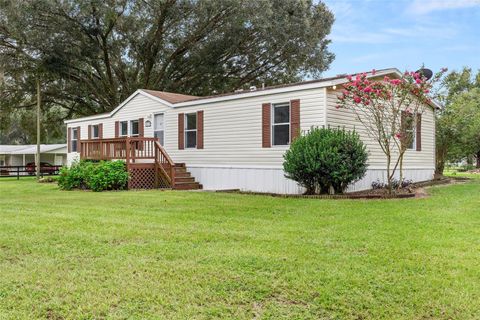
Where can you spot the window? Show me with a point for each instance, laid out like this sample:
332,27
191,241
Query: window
2,159
281,124
74,141
134,128
191,130
95,131
123,128
410,135
159,130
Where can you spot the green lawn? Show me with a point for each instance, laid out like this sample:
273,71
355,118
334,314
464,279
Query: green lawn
197,255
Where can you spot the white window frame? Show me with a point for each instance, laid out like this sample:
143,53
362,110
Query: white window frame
272,121
120,134
413,146
164,125
185,130
93,131
131,127
73,139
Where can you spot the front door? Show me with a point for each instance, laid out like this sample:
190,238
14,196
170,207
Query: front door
159,128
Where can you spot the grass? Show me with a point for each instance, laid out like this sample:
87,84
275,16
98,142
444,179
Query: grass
196,255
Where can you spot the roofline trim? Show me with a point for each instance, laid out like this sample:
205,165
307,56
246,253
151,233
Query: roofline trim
111,113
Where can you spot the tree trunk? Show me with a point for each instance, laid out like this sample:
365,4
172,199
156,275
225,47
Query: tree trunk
478,159
389,178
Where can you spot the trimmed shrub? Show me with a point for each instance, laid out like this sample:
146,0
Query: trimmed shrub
75,177
104,175
108,175
326,159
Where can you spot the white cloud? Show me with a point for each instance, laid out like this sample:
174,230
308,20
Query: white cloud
427,6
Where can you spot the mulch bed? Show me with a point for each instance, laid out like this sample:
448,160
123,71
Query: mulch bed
416,190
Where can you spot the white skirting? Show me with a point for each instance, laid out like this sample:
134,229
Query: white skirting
272,180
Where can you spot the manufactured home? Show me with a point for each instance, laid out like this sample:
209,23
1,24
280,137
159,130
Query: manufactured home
232,141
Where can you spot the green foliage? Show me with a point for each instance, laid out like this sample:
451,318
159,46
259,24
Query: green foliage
458,124
104,175
91,55
108,175
326,158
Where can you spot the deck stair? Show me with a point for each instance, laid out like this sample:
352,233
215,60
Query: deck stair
183,179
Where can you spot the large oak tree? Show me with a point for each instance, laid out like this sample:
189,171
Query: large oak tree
90,55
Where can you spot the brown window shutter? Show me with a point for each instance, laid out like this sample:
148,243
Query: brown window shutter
140,127
418,137
294,119
181,126
200,129
266,129
78,138
69,139
100,131
117,129
89,131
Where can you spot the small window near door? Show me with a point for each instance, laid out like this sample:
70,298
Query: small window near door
281,124
159,128
191,130
124,128
134,128
95,131
73,142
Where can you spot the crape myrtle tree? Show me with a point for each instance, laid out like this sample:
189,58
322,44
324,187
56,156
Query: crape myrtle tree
388,109
100,52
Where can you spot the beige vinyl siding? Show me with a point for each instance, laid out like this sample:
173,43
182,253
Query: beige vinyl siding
377,160
232,129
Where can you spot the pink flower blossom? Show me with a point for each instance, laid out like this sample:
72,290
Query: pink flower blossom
395,82
386,79
418,81
368,89
338,106
444,69
357,99
349,78
374,72
426,91
398,135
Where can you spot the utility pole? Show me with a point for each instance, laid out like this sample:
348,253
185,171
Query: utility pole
37,160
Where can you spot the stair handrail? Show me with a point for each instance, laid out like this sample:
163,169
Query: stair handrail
160,150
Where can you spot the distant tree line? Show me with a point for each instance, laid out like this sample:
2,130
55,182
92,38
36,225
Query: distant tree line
91,55
458,124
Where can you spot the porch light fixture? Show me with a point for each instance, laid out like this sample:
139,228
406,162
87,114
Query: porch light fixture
148,123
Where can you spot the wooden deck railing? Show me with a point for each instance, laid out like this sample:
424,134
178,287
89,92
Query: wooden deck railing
164,164
131,149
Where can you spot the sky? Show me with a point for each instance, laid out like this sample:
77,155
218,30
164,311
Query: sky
377,34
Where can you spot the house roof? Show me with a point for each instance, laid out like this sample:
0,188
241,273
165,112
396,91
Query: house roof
170,96
30,148
181,100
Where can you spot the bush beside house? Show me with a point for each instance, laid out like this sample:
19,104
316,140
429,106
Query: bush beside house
326,160
104,175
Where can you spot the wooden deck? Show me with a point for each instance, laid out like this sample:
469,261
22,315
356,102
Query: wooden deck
148,164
